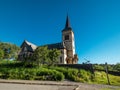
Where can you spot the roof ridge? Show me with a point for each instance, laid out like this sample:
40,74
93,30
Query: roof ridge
33,46
30,43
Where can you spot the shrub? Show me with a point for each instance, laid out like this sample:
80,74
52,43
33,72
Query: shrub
28,74
85,75
61,69
47,74
72,74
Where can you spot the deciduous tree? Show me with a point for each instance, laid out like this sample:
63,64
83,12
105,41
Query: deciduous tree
1,54
40,55
53,56
43,55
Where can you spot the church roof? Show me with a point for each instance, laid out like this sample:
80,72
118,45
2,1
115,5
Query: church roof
56,46
31,46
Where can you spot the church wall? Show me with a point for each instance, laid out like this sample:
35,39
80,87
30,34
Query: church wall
62,58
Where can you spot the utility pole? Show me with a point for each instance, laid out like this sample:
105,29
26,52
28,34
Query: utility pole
106,69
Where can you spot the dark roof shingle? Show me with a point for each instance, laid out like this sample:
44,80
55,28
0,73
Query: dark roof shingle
56,46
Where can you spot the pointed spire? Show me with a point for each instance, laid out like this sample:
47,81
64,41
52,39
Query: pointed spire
67,25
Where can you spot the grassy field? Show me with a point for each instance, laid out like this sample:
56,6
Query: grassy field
18,70
100,78
109,89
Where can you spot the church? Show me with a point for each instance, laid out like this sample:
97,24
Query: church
66,46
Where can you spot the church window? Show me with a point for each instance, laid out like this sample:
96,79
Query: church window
66,37
60,59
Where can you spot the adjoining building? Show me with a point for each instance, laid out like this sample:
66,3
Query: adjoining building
67,47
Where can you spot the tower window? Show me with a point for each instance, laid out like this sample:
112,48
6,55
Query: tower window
67,37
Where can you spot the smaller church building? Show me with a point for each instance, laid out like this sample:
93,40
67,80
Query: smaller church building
66,46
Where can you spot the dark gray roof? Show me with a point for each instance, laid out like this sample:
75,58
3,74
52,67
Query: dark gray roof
32,47
56,46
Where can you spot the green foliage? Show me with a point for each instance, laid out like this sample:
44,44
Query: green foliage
72,74
17,70
8,50
43,55
1,54
117,67
48,74
40,55
86,75
99,67
75,74
100,77
111,67
53,56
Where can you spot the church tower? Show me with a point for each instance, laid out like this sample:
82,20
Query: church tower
68,41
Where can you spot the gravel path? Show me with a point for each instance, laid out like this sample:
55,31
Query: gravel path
11,86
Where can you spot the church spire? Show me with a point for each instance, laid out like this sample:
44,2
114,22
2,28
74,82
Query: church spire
67,25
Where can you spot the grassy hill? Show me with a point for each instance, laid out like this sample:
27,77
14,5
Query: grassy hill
100,78
19,70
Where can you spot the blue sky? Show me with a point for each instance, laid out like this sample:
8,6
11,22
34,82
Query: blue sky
96,24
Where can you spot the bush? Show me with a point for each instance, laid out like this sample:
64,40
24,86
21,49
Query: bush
18,70
61,69
86,75
72,74
75,74
47,74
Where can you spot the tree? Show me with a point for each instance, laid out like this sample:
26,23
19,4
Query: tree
10,50
40,55
6,53
53,56
1,54
43,55
117,67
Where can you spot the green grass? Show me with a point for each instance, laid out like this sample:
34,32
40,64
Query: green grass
18,70
114,80
110,89
100,77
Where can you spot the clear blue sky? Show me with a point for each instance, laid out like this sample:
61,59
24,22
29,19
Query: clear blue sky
96,24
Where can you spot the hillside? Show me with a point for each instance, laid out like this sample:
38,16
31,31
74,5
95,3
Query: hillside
19,70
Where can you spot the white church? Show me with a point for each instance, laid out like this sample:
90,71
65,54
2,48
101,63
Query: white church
66,46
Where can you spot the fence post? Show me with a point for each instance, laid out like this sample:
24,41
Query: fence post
106,69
